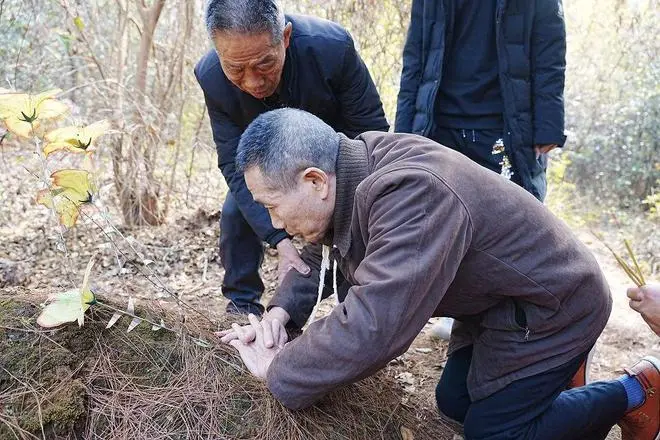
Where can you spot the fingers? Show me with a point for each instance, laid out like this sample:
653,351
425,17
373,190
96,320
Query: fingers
256,327
636,305
299,265
229,337
246,333
282,337
275,330
268,333
635,293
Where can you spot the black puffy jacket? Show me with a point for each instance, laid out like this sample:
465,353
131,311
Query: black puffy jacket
531,49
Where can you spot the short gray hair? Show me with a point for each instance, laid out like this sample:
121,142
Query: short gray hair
284,142
245,17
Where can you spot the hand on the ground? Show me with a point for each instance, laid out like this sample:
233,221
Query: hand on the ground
544,149
273,323
646,301
289,259
256,356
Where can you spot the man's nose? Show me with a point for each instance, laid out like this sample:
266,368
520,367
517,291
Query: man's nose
252,82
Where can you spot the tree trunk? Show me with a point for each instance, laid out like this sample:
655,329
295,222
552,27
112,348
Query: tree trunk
138,190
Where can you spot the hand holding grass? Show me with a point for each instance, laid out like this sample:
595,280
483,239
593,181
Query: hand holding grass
646,301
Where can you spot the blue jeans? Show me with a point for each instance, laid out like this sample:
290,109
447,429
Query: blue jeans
241,254
536,407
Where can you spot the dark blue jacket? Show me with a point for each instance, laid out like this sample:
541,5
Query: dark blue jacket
323,74
531,50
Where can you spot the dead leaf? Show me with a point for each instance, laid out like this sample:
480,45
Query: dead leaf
131,310
114,319
406,378
406,434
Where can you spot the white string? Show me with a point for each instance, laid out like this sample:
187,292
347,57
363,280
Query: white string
334,280
325,265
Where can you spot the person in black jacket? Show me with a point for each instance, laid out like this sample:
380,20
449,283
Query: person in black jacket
265,60
475,72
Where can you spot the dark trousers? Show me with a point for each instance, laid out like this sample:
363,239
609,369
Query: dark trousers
478,146
241,254
536,407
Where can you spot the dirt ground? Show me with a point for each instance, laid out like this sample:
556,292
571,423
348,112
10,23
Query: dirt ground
181,258
184,258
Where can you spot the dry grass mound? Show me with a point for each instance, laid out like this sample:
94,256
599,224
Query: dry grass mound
94,383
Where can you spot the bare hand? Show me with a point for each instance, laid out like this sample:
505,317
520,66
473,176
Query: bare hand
289,259
255,355
273,323
646,301
544,149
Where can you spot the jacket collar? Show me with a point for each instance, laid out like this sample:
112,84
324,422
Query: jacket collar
352,168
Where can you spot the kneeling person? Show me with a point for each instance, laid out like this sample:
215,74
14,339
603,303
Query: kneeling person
416,235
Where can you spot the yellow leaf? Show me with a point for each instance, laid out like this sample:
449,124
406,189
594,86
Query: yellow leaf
87,297
11,103
50,108
74,139
76,180
19,127
19,110
70,191
79,23
64,203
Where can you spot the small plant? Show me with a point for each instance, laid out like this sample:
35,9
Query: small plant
632,270
67,192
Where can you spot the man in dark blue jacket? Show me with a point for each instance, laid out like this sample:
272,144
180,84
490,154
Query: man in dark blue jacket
262,61
476,71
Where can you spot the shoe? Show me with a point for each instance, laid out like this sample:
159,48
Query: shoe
245,309
581,378
643,422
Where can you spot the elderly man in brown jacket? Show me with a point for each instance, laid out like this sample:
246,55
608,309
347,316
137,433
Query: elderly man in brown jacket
418,230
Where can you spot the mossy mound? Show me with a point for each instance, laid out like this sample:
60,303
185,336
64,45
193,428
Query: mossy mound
98,383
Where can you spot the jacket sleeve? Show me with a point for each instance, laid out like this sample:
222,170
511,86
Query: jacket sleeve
411,73
298,293
548,59
421,224
226,135
360,105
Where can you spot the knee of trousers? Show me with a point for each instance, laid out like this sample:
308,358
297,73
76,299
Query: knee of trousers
450,402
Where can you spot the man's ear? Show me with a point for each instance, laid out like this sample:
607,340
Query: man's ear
318,178
288,29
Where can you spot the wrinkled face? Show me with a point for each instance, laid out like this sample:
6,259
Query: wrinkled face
305,210
252,62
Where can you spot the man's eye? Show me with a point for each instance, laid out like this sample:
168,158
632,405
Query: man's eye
266,66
